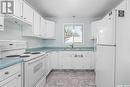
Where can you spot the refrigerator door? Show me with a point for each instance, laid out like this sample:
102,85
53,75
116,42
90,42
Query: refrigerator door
105,65
106,30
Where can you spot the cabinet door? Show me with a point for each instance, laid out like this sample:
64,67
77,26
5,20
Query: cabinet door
44,66
65,60
27,12
55,60
43,27
18,8
90,58
94,26
77,63
1,22
36,24
48,64
50,32
14,82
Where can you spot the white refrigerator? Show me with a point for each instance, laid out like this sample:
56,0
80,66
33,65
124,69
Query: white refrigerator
105,52
113,50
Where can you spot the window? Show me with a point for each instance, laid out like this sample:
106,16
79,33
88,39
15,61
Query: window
73,33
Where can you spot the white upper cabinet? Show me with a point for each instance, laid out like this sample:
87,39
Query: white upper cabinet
50,29
43,27
94,28
1,22
27,12
18,8
22,13
36,23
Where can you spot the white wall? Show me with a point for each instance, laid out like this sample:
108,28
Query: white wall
123,47
14,32
59,42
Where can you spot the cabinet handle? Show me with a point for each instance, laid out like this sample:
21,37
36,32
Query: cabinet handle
1,25
76,55
6,73
82,56
19,75
10,44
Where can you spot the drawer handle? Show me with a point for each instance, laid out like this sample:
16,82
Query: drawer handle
82,56
10,44
6,73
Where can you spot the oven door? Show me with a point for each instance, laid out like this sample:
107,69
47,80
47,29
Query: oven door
34,71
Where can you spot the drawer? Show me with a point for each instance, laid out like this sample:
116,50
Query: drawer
7,72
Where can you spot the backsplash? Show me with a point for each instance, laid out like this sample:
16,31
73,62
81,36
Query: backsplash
13,31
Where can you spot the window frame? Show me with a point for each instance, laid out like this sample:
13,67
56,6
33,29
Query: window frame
75,43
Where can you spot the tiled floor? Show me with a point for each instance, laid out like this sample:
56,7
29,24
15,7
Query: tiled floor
71,78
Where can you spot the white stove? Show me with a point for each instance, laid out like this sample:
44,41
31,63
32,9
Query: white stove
28,57
33,66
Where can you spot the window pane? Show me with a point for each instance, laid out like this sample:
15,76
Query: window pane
73,33
78,34
68,34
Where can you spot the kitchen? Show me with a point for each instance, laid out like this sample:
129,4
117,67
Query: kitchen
62,43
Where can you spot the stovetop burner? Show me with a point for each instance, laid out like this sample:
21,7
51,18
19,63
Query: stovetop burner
13,56
27,52
23,56
32,53
35,53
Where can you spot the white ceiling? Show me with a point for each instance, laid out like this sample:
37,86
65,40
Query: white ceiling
78,8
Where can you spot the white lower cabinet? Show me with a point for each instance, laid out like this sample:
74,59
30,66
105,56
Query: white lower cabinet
47,60
54,60
83,60
11,76
74,60
14,81
65,60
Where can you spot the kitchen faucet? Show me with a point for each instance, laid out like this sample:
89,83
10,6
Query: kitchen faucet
72,46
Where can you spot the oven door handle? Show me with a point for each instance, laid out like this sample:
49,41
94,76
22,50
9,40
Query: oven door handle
34,61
